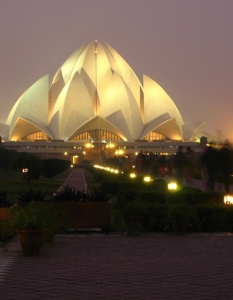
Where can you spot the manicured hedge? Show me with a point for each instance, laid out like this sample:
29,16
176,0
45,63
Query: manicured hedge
209,212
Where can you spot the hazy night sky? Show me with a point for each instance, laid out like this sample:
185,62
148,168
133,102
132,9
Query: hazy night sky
184,45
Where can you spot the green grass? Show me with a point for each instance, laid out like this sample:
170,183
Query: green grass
13,183
15,186
63,175
90,181
10,175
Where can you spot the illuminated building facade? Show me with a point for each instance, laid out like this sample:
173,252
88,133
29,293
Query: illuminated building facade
96,99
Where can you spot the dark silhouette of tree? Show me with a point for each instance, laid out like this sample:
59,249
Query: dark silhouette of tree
28,161
54,166
6,157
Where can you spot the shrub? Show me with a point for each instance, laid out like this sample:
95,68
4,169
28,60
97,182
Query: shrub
26,196
134,208
110,186
4,199
155,217
97,195
117,220
215,218
34,216
86,162
68,193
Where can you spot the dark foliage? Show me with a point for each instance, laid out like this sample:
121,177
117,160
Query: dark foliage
6,157
30,161
86,162
67,193
110,186
4,199
26,196
97,195
155,218
215,218
54,166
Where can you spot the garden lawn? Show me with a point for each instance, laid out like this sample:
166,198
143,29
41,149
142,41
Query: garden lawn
90,180
15,186
13,183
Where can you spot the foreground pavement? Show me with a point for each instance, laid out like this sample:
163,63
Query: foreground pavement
98,266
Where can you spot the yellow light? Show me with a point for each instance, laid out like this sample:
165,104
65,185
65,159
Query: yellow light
98,167
147,179
116,171
65,153
88,145
228,199
25,170
112,170
172,186
132,175
71,166
84,152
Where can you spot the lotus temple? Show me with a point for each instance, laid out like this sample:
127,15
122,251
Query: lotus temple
95,105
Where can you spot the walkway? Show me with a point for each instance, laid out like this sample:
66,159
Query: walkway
76,180
121,267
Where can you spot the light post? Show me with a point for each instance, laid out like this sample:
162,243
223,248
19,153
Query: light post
25,174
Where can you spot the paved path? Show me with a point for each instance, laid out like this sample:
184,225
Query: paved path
76,180
121,267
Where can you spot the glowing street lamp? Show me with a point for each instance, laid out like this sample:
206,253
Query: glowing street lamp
132,175
228,199
25,174
147,179
172,186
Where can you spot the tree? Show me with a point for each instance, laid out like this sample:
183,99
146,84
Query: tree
54,166
6,157
28,161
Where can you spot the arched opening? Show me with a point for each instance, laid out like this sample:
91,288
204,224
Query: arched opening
97,135
37,136
154,136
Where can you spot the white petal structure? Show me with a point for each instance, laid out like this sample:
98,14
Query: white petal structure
95,89
30,113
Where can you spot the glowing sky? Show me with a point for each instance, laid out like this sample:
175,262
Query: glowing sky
184,45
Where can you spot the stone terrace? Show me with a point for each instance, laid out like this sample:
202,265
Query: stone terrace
120,267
